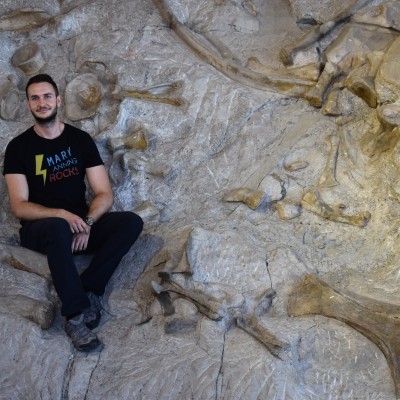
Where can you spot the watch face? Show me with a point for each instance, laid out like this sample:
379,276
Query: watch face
89,221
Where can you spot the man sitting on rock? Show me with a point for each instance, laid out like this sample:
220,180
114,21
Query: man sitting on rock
45,169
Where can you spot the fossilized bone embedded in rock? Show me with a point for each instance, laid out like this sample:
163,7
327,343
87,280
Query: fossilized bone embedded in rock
315,34
9,98
313,202
82,97
328,176
24,19
206,304
280,81
168,94
386,14
360,80
250,197
29,59
252,326
374,143
376,320
362,66
215,309
41,312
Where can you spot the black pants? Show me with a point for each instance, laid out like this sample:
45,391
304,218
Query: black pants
110,239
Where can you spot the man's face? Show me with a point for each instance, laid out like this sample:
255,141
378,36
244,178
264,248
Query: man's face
43,102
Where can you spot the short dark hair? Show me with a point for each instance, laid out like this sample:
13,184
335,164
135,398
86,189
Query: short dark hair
41,78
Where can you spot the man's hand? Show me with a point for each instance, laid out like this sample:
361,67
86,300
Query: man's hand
24,209
76,223
80,242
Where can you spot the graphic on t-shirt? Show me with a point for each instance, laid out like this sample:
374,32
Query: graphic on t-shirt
59,166
39,170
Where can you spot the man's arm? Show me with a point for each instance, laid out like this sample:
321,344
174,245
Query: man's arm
102,201
18,193
103,196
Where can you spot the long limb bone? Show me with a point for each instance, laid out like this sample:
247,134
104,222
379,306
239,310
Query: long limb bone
378,321
252,326
327,178
167,94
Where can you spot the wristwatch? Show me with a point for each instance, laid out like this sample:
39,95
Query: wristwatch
89,221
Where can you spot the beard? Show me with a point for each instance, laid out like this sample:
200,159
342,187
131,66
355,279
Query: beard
48,120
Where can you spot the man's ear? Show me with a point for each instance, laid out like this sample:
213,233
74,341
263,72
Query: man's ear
59,100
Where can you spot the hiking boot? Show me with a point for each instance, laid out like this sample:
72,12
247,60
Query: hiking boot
92,314
82,337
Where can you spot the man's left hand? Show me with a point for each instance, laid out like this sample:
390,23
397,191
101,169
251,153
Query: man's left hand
80,242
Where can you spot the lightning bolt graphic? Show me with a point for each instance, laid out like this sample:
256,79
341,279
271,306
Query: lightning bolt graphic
39,170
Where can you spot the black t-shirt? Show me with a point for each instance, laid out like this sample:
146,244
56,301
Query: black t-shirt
54,168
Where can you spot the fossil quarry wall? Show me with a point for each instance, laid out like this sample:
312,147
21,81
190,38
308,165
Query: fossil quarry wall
259,142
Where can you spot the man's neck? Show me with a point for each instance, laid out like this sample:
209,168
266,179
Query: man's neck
49,131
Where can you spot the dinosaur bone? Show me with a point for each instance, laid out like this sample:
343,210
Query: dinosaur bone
327,177
167,94
376,320
313,202
205,303
39,311
253,327
280,81
361,82
250,197
314,35
217,310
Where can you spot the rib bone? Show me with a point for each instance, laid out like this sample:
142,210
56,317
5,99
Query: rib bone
376,320
279,82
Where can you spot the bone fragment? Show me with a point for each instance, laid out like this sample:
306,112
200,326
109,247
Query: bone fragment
316,94
378,321
205,303
39,312
332,105
313,202
328,176
24,19
252,326
360,80
250,197
135,140
373,144
289,53
143,293
250,7
287,209
28,58
163,298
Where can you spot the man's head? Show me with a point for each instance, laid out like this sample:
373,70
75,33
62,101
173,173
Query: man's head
41,78
43,98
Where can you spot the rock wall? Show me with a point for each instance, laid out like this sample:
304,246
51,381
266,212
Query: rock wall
259,142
